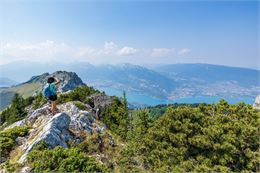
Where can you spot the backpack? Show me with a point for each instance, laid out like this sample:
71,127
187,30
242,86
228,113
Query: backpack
47,90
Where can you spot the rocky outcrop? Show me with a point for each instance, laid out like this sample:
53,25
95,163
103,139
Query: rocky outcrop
58,129
256,104
80,119
55,132
68,80
100,102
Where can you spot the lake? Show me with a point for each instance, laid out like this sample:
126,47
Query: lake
134,97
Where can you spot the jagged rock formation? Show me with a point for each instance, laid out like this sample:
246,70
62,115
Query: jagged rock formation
69,80
55,132
59,129
256,105
34,86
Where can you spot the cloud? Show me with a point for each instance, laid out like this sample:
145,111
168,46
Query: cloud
184,51
48,51
42,51
127,51
85,52
161,52
109,47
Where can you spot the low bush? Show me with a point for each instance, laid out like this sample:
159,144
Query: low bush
78,94
59,159
7,139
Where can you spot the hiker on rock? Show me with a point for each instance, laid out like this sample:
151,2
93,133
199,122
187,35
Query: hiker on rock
50,92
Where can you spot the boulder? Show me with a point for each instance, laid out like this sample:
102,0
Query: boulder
20,140
44,110
80,119
25,169
17,123
100,102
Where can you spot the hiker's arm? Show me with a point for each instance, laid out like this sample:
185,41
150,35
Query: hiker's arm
57,81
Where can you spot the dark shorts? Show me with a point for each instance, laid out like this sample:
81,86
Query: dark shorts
53,97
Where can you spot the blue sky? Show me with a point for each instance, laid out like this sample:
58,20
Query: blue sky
139,32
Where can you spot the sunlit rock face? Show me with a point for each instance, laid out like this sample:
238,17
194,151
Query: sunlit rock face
256,105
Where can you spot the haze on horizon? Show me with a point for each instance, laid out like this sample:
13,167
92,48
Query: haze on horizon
144,32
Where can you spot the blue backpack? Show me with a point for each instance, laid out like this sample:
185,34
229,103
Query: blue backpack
47,90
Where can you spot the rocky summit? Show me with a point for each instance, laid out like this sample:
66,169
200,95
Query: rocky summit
69,124
69,80
34,86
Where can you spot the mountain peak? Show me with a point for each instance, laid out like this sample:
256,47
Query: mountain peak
68,80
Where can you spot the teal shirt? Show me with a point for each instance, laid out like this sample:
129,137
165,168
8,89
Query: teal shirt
53,88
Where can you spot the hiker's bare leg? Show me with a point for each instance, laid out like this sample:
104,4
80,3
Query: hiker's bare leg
53,106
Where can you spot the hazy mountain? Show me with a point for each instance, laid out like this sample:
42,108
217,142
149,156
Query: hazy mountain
158,84
212,80
128,77
124,76
6,82
207,73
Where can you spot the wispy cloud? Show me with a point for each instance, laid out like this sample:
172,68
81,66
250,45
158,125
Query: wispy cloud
127,51
184,51
109,47
162,52
42,51
85,52
48,50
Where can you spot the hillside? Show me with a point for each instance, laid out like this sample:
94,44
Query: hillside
94,132
69,80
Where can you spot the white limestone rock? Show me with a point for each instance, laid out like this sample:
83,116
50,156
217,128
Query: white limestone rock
55,132
256,105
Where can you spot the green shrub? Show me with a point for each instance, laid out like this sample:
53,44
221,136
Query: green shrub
116,117
12,167
62,160
7,138
39,100
15,132
90,145
80,105
78,94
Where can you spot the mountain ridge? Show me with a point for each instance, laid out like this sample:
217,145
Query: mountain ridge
69,81
165,83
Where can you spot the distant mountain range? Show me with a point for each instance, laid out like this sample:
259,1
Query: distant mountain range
158,84
6,82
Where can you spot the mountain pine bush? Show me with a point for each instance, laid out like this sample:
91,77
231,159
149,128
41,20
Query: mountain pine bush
62,160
